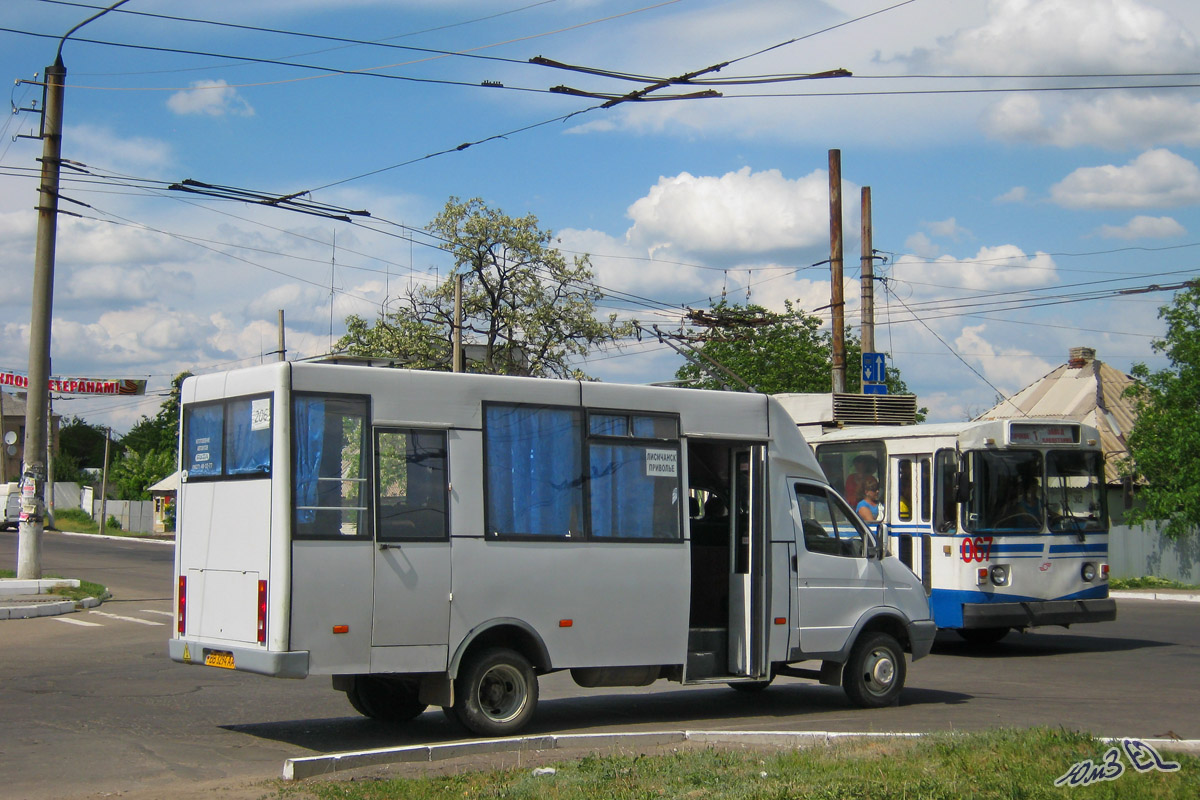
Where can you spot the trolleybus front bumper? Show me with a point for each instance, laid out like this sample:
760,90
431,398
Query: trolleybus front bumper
289,664
1040,612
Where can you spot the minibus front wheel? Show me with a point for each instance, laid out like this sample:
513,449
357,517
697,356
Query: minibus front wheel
874,674
496,692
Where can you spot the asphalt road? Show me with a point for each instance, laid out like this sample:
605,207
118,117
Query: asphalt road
96,708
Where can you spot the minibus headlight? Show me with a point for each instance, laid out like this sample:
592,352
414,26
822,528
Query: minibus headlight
1000,575
1088,572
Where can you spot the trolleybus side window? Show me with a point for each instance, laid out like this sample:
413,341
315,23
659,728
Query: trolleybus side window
534,473
411,484
904,490
946,519
331,466
847,466
634,480
228,438
926,488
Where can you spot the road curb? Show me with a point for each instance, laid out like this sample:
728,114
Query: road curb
1173,596
314,766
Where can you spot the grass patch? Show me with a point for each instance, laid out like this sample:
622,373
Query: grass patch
1006,764
76,520
1148,582
85,588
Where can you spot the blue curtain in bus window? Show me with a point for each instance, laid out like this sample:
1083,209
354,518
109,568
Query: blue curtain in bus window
204,427
308,436
248,451
621,492
534,485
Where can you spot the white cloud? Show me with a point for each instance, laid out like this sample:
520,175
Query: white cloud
1007,368
1156,178
992,268
739,215
1017,194
1143,227
948,229
213,98
105,149
920,244
1052,37
1114,120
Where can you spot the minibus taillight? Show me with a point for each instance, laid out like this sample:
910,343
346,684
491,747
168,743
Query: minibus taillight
262,612
181,611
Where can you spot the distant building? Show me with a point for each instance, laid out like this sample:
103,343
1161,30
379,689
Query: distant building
12,415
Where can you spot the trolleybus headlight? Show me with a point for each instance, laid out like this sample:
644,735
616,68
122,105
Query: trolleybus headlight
1000,575
1088,573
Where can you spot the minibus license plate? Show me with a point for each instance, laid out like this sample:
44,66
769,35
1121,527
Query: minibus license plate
219,658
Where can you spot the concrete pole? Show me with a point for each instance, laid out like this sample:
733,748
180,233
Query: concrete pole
3,444
33,473
282,349
868,276
104,483
837,301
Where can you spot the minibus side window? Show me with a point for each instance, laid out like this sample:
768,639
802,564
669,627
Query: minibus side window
826,523
330,453
411,485
534,470
634,480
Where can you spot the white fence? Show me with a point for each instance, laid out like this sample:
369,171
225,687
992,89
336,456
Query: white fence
1135,551
135,516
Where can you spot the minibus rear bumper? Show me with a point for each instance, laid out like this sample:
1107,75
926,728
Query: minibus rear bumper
287,664
1040,612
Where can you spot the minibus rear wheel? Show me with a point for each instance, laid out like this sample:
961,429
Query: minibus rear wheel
384,699
495,693
874,674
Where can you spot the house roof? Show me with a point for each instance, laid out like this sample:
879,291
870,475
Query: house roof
167,484
1084,389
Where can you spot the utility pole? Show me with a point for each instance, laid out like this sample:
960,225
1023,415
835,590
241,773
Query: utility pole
33,472
104,483
837,301
868,275
282,350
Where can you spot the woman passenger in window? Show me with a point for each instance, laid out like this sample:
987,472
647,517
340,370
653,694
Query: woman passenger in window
868,507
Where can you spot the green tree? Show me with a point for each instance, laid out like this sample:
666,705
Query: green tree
134,472
773,352
1165,439
159,433
532,311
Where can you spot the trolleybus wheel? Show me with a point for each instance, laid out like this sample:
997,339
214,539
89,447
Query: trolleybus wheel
983,635
495,692
874,675
384,698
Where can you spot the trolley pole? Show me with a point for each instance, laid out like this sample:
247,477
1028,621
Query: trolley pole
33,473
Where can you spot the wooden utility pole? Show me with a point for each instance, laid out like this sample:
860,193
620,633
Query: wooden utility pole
837,301
868,276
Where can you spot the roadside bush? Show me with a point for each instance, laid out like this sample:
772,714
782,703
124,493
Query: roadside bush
72,515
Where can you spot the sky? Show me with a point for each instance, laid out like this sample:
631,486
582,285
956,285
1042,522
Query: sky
1033,167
